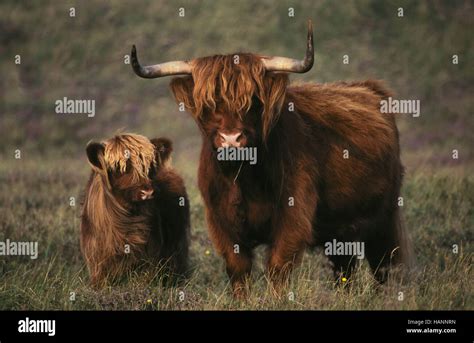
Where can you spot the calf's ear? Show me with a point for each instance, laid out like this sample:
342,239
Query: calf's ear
95,155
164,147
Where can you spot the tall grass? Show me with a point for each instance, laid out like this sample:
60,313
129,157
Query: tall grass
34,205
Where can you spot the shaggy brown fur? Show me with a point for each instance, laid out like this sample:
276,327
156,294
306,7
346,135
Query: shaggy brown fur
302,192
135,208
234,88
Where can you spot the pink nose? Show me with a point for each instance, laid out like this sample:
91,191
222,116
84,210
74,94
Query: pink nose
146,194
229,140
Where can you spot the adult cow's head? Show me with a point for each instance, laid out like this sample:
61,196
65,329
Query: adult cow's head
236,99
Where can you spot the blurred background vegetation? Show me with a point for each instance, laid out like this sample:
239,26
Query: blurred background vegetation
82,57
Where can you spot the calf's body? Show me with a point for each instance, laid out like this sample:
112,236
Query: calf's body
136,213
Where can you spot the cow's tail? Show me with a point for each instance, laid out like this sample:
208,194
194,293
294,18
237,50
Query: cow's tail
404,254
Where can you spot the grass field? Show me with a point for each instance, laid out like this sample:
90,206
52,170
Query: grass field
35,205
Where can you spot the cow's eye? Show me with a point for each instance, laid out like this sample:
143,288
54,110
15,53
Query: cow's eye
151,172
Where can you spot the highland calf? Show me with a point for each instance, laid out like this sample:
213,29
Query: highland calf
328,162
135,209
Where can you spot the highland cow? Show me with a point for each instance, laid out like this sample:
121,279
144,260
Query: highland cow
328,162
135,209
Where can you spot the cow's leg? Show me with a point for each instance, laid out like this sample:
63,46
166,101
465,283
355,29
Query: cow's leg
387,246
238,267
342,265
293,227
381,247
284,255
238,260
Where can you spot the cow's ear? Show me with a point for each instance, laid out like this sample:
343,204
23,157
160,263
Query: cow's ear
182,88
95,155
164,147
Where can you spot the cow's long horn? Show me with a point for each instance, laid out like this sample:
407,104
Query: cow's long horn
159,70
290,64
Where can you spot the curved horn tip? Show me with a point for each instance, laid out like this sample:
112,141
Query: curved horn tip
137,68
310,30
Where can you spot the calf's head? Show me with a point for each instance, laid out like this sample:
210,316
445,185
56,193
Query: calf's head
128,164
